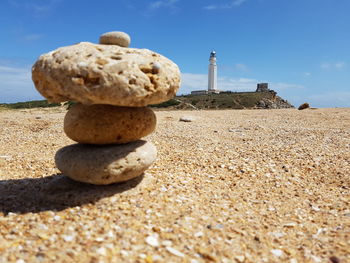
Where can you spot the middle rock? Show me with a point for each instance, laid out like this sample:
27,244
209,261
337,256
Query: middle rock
106,124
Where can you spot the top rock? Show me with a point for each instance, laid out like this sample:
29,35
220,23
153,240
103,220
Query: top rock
106,74
115,38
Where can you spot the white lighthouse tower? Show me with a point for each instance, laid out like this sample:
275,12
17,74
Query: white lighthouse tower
212,74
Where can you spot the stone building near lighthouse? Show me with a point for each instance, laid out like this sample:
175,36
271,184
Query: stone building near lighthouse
262,87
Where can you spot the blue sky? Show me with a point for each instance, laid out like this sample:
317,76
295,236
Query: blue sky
300,47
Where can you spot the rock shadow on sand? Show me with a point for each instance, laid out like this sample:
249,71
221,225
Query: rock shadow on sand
56,192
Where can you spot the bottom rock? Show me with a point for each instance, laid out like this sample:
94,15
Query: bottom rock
106,164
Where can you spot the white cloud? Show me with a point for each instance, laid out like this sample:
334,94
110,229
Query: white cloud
241,67
191,82
194,81
12,75
236,84
228,5
16,84
238,2
307,74
340,65
337,65
33,37
38,8
325,65
210,7
330,99
163,3
280,86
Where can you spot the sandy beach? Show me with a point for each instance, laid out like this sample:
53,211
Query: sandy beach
230,186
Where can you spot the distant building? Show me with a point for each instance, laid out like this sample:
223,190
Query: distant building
212,77
262,87
212,73
199,92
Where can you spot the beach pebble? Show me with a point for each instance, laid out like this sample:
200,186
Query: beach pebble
240,258
304,106
175,252
104,124
106,164
187,118
106,74
152,241
277,252
115,38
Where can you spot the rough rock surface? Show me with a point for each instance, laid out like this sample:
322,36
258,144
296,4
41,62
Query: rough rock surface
275,190
304,106
275,103
103,124
106,74
115,38
105,164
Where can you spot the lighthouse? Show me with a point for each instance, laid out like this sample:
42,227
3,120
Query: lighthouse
212,73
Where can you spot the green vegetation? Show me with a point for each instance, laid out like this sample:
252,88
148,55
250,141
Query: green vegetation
69,104
226,100
29,104
166,104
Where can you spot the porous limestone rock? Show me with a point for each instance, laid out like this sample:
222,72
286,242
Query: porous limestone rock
115,38
106,74
106,164
103,124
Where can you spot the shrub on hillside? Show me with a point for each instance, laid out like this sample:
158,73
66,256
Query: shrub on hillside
30,104
165,104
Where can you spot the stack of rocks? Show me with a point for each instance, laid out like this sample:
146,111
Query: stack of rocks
111,84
